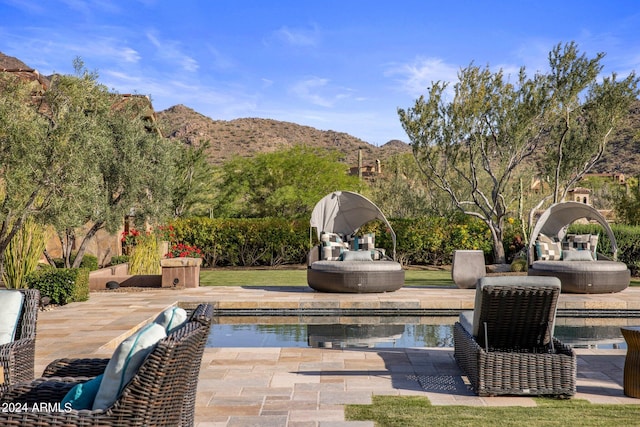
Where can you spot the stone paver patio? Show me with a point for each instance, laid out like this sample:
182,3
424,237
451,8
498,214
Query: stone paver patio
309,386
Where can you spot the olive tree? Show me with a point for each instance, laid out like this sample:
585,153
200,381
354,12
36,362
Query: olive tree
476,144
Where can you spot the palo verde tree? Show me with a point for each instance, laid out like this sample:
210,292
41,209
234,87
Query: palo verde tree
475,145
286,183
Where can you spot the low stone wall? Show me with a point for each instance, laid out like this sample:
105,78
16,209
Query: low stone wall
119,273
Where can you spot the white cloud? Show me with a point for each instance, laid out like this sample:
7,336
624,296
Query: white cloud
416,77
170,51
298,37
317,91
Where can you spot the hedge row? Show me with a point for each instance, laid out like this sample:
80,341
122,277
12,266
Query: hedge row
274,241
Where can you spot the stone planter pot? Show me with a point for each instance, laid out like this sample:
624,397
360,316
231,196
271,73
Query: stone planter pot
181,272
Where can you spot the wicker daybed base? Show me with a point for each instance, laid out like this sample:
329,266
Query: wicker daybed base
355,276
585,277
495,373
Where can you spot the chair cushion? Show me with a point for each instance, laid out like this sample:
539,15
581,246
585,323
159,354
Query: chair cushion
82,395
10,309
171,319
125,362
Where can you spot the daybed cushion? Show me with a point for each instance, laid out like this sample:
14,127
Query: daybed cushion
338,266
579,266
10,309
125,362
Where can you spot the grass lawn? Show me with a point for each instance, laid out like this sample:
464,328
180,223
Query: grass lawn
409,411
298,277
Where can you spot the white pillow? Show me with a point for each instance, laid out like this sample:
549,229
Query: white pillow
125,362
584,255
10,309
356,256
171,319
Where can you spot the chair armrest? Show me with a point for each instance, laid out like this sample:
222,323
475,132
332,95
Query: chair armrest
75,368
17,360
40,390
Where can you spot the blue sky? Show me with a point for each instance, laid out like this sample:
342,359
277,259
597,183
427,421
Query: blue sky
340,65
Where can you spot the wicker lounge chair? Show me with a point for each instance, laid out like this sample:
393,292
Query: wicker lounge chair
17,358
162,392
506,345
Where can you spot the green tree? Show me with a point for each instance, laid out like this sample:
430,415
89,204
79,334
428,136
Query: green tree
285,183
402,192
34,160
586,112
86,157
475,146
194,190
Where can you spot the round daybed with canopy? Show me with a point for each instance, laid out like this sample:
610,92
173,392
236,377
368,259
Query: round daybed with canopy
335,265
579,271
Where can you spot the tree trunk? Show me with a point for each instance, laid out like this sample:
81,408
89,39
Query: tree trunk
85,241
498,245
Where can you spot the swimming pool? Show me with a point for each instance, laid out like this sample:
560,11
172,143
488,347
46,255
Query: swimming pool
386,331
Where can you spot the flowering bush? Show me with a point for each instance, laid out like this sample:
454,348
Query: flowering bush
166,233
180,250
129,239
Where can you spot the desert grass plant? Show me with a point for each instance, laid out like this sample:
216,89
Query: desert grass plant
145,256
410,411
23,253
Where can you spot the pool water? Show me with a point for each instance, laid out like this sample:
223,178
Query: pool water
383,333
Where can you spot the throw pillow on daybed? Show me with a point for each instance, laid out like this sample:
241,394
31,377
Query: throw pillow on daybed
573,255
580,242
548,249
332,246
365,242
356,256
10,309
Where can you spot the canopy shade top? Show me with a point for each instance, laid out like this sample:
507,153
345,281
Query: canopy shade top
345,212
555,220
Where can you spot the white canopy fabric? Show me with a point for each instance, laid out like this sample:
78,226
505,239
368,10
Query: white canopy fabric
555,220
345,212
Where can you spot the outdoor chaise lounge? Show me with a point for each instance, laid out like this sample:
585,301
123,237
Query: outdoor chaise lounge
160,392
506,346
344,261
574,259
17,351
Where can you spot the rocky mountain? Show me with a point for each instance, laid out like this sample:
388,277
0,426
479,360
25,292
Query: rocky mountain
248,136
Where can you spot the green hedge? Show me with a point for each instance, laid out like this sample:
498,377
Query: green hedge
420,241
275,241
62,285
88,261
246,242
